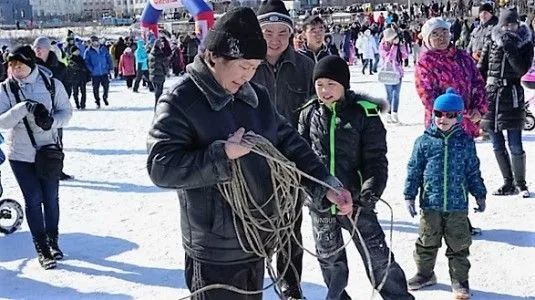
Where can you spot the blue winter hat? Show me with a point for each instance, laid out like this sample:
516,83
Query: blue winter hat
449,102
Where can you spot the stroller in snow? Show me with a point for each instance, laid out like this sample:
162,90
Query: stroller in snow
529,122
11,214
528,81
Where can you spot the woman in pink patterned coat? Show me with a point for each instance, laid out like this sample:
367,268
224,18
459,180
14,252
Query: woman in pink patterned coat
442,66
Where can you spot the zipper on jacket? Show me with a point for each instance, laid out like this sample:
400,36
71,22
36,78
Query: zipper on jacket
274,73
498,95
332,128
445,187
515,97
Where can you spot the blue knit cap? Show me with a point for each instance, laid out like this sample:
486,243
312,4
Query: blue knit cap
449,102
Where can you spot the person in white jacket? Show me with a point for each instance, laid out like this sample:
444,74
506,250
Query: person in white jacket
26,95
368,47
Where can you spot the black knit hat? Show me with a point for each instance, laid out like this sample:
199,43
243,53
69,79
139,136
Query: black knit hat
237,34
274,11
509,15
23,54
332,67
486,7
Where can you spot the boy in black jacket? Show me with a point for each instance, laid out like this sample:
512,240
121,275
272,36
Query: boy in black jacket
78,76
346,132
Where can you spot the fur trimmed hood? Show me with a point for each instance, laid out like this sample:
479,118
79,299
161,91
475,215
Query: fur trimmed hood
384,107
524,34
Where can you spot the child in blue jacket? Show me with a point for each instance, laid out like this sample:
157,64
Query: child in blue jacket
444,166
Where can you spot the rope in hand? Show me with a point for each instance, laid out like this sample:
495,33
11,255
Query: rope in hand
267,229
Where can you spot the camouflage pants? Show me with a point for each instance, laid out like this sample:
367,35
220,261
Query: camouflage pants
328,237
455,229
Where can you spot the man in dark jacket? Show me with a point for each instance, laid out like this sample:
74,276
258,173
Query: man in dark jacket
47,58
314,29
482,33
456,29
192,46
506,57
157,69
117,52
215,99
78,76
287,75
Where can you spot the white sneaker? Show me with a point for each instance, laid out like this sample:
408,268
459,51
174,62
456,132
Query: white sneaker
389,119
395,118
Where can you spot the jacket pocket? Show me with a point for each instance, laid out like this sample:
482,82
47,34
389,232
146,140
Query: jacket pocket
222,224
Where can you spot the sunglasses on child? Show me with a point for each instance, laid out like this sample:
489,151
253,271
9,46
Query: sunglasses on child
449,115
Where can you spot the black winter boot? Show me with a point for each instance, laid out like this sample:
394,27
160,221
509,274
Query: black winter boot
291,292
63,176
518,163
52,239
508,188
44,256
420,281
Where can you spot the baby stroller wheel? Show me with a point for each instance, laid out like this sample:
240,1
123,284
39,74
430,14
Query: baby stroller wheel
11,216
530,85
529,123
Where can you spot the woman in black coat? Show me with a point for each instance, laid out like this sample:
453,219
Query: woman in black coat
158,69
506,57
213,101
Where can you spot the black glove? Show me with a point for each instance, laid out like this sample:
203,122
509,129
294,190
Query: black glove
42,117
31,105
411,207
367,200
481,205
510,42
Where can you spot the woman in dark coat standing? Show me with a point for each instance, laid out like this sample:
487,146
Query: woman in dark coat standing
506,57
157,69
212,101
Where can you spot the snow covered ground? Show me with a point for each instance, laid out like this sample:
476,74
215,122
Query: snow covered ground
121,234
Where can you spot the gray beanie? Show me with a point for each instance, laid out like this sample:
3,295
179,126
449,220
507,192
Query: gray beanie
42,42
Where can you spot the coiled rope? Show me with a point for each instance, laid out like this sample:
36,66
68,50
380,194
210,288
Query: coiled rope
267,229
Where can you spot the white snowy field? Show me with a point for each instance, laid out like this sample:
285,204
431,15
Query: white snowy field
122,239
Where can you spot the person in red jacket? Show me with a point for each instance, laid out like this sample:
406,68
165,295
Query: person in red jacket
381,19
127,67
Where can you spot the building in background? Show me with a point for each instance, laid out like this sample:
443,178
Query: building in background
97,9
12,11
129,8
61,9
